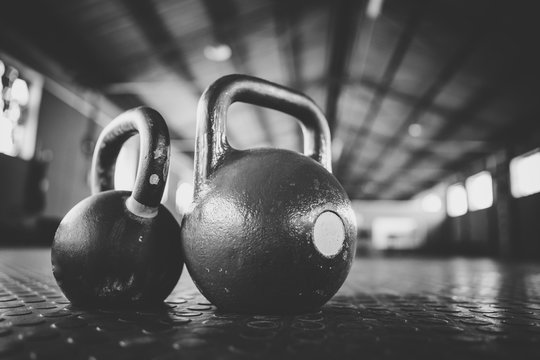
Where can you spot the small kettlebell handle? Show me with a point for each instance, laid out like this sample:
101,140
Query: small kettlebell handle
211,143
153,158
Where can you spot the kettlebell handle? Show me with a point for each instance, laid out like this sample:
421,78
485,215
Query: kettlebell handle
211,143
153,158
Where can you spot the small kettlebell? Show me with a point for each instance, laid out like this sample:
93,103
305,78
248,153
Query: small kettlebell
270,230
117,248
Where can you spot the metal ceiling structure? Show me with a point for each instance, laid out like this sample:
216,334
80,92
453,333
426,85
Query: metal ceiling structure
412,94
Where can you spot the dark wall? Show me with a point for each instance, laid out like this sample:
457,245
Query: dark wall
61,133
511,227
13,175
524,212
459,233
527,229
483,231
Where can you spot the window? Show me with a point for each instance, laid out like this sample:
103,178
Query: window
126,165
456,201
18,111
184,196
525,174
480,191
431,203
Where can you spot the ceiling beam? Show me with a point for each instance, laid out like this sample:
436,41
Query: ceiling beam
347,20
381,138
503,138
225,27
455,63
371,85
161,40
287,16
60,52
477,102
505,80
60,42
381,92
516,57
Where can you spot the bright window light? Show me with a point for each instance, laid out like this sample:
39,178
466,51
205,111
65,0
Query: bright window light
126,166
165,195
19,92
14,112
6,135
525,174
395,233
184,196
480,191
456,201
431,203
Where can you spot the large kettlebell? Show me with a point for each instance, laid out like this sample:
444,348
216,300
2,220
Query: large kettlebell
117,248
270,230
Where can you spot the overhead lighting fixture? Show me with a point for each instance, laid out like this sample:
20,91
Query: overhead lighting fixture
219,52
415,130
6,135
374,8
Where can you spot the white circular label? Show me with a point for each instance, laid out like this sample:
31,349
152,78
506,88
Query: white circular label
328,234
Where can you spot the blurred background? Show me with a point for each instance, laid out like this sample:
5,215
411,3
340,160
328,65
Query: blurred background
433,107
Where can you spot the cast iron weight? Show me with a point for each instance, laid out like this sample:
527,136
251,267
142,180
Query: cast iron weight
270,230
117,248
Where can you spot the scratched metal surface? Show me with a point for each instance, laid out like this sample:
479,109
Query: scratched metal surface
388,309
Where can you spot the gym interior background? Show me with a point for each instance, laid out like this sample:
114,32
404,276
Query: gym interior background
432,105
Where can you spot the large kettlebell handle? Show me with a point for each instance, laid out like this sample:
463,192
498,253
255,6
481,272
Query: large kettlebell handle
211,143
153,158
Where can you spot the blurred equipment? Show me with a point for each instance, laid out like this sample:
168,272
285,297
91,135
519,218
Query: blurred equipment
395,233
270,230
118,248
22,199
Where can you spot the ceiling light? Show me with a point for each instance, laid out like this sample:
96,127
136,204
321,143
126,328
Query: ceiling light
219,52
415,130
374,8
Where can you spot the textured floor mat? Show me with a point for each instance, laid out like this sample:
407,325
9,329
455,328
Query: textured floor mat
389,308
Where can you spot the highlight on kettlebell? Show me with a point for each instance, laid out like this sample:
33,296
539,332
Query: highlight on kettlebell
119,248
270,230
329,234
